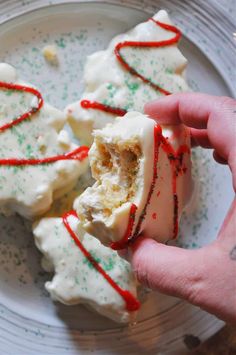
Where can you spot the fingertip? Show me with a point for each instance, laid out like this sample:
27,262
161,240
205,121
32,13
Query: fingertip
151,109
168,269
163,110
192,109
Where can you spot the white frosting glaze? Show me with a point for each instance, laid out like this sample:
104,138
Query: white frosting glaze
29,190
75,280
109,171
107,82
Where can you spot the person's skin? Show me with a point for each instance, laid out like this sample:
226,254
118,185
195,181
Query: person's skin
205,277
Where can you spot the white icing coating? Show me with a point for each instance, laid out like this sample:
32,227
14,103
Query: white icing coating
75,280
124,179
29,190
106,80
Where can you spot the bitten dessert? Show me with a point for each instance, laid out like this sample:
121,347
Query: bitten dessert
137,67
143,181
37,160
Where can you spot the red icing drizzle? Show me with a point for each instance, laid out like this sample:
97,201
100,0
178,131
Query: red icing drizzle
123,242
105,108
27,115
149,44
79,153
157,134
132,304
176,160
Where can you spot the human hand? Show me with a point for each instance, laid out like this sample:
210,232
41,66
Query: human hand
205,277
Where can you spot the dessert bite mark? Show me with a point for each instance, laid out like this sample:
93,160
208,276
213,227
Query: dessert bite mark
132,304
157,133
117,160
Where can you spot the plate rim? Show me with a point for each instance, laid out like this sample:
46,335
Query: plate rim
27,12
39,5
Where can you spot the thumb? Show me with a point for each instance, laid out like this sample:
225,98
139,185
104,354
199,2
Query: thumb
205,277
168,269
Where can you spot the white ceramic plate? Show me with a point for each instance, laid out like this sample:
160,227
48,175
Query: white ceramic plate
29,322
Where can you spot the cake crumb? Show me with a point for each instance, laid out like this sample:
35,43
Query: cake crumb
50,54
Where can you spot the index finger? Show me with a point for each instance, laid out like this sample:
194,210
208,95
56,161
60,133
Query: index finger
192,109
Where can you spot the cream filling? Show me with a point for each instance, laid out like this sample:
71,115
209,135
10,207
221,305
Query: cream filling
115,166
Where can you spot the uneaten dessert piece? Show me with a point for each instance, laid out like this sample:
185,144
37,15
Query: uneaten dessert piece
38,162
137,67
86,272
143,181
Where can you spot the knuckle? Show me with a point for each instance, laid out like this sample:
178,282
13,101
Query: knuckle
198,281
141,275
145,275
195,294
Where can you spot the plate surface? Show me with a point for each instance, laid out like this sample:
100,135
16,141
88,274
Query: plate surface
29,322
